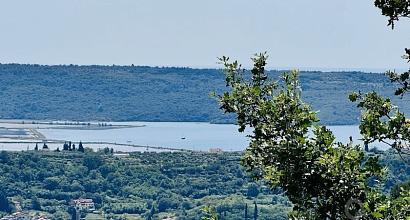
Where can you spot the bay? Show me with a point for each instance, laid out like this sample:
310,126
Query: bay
181,135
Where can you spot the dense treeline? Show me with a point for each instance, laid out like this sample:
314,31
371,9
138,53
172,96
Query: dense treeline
123,93
150,185
147,184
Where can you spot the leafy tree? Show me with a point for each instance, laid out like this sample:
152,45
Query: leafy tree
106,150
52,183
60,215
73,212
4,157
209,213
93,162
166,203
382,121
397,190
252,191
35,204
65,147
319,176
394,9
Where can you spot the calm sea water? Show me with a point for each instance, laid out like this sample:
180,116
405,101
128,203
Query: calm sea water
185,135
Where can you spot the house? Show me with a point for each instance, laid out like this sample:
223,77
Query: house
24,216
84,204
17,216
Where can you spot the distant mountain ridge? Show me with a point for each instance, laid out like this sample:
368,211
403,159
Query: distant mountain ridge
142,93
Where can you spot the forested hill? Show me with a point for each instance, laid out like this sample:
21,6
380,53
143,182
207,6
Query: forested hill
123,93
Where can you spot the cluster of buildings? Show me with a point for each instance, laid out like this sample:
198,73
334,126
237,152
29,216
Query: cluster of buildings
25,216
215,150
83,204
80,205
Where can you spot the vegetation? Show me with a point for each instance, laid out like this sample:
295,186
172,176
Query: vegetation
142,185
124,93
309,175
394,9
150,185
380,119
322,178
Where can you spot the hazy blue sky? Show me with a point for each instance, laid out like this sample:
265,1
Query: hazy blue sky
296,33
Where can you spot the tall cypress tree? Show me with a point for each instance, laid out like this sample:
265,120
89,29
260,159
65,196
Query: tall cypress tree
255,211
65,146
80,147
35,204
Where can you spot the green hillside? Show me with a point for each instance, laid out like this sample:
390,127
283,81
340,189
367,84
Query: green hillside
124,93
140,185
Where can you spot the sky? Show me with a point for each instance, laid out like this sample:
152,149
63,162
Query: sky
318,34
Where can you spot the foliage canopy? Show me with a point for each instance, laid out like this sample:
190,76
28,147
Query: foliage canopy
322,178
